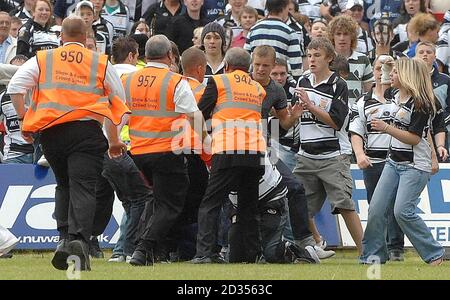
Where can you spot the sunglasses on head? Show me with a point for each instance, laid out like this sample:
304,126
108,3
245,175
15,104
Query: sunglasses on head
320,20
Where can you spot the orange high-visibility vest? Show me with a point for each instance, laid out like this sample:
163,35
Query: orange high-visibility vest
191,136
70,87
154,125
236,120
197,88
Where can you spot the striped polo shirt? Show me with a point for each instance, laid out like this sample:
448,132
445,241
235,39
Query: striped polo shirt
443,45
120,19
408,118
360,72
286,42
310,8
365,43
14,144
23,14
210,72
368,107
317,139
441,88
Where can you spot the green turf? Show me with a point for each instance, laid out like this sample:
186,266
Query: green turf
342,266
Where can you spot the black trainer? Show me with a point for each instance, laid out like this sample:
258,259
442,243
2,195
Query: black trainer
215,259
59,260
142,257
396,255
81,249
7,255
94,248
295,254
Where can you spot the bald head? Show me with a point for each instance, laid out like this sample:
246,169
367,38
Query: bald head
192,57
193,61
73,29
238,59
157,47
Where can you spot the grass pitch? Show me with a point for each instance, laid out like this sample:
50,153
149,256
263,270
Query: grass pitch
37,266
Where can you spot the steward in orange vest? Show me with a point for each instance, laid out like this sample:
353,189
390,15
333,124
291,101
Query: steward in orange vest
234,100
154,125
71,87
160,101
75,91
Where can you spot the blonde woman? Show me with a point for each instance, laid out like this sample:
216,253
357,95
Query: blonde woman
196,39
426,28
407,168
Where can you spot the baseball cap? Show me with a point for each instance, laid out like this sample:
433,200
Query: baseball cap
84,3
352,3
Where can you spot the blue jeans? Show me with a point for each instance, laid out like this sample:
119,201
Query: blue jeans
285,155
289,160
395,237
23,159
128,183
118,248
398,190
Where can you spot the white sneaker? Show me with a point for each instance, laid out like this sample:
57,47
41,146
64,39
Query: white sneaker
117,258
43,162
322,244
313,254
324,254
7,241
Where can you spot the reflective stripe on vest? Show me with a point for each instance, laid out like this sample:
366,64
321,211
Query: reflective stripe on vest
162,112
70,88
91,88
155,135
229,103
236,120
192,140
61,107
240,124
128,89
153,123
197,89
